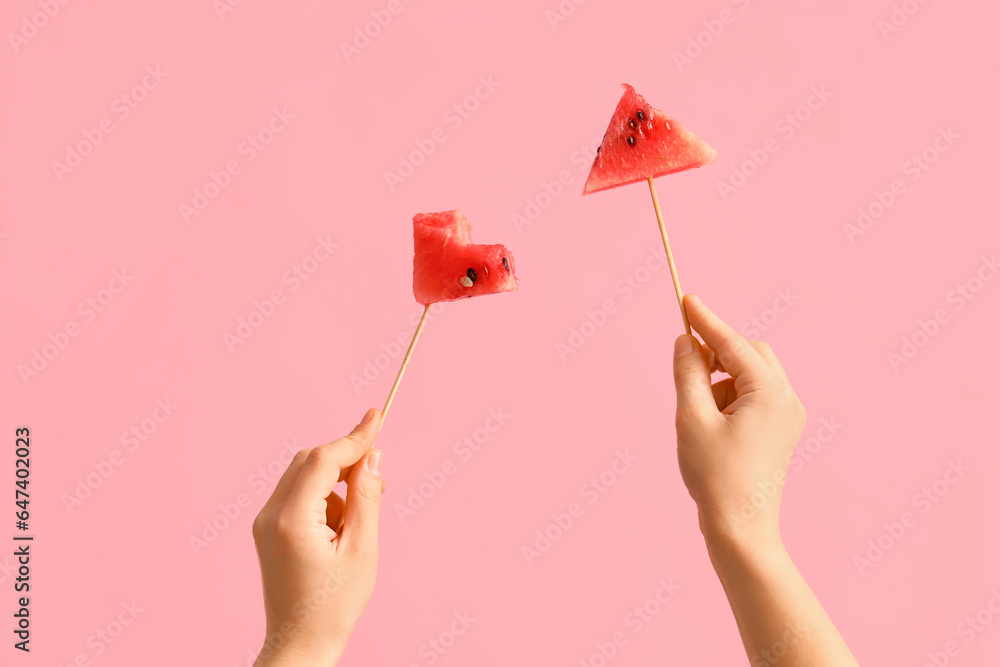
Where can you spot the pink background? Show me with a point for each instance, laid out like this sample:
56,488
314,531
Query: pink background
323,175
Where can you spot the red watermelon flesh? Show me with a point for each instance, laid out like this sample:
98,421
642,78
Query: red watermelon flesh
642,141
448,266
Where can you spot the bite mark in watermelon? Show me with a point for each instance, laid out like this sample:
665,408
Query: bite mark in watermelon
642,141
448,266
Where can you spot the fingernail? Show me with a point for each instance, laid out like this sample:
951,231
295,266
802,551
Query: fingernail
683,346
375,462
695,300
368,416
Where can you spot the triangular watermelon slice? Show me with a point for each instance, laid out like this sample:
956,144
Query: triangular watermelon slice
641,142
448,266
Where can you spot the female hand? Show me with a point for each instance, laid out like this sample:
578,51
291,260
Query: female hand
734,442
734,438
317,582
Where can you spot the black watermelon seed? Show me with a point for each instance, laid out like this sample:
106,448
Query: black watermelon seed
631,123
640,115
505,264
631,140
472,275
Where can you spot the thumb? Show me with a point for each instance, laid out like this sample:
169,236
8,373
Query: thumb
361,506
364,436
692,378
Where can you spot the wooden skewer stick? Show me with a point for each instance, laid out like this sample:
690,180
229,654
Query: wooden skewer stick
395,385
670,256
406,360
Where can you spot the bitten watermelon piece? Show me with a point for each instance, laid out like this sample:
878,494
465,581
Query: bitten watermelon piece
641,142
448,266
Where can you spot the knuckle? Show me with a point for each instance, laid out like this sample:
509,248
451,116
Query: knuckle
731,349
687,374
321,454
789,400
800,410
370,495
283,528
356,442
259,527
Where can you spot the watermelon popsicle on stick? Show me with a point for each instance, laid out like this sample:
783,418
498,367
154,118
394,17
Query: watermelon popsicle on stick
642,143
447,266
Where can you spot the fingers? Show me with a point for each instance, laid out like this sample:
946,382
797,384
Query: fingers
364,495
762,348
346,472
287,479
692,378
724,392
765,351
710,360
733,351
334,511
322,467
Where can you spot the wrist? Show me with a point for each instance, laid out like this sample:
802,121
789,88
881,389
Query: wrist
731,532
289,654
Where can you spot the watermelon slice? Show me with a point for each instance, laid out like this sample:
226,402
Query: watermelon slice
448,266
641,142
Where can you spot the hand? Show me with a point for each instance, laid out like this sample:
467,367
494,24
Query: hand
734,442
734,438
317,582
